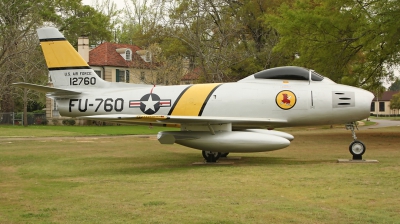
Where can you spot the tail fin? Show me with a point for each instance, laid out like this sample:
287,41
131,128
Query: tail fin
66,67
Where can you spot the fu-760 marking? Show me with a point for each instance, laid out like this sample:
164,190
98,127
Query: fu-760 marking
215,118
108,104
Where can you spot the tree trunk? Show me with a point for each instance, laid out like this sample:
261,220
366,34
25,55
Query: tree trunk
25,99
6,105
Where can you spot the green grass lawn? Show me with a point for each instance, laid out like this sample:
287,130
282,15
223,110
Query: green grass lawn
56,131
128,179
384,118
50,130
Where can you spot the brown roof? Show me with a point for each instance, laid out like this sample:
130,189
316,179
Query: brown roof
106,55
385,96
192,75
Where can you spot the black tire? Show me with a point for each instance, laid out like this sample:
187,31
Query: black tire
211,157
224,154
357,148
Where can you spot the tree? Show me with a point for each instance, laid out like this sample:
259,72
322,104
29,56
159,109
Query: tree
352,42
211,35
109,9
228,40
144,23
395,85
83,20
31,68
17,20
18,23
258,37
395,102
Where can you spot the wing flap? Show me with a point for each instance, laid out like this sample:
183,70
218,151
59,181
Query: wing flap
167,119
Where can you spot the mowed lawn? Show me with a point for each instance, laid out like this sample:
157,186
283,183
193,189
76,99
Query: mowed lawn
132,179
64,131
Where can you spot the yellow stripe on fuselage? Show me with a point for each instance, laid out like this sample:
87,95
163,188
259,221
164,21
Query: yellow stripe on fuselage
193,99
61,54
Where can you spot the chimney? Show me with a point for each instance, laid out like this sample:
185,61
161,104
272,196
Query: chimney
83,47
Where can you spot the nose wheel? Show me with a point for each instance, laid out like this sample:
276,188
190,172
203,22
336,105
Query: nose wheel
356,148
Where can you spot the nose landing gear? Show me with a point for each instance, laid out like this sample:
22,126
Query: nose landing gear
356,148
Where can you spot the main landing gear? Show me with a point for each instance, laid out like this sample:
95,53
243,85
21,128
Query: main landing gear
224,154
356,148
212,157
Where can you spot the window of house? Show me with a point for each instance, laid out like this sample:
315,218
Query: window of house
381,106
372,106
119,75
98,73
148,57
128,55
122,75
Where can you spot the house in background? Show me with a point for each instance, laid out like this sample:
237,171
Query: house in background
191,76
380,105
119,62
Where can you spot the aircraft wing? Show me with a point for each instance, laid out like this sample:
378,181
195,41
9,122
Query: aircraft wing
168,119
46,89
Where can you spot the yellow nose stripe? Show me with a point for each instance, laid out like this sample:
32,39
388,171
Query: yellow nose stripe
61,54
194,99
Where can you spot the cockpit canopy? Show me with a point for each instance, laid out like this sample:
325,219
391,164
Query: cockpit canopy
288,73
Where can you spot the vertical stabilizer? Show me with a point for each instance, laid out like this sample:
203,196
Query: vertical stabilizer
66,67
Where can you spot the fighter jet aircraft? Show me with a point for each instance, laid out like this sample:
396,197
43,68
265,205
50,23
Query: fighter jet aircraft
217,118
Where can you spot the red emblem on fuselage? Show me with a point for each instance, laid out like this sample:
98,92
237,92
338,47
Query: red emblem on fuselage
286,99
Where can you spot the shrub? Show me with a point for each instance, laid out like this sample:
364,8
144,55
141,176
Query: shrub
39,112
69,122
55,121
44,122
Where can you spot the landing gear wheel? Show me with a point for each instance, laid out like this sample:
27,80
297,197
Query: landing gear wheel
211,157
357,149
225,154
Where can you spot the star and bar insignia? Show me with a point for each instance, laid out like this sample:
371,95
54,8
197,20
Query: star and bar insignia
149,103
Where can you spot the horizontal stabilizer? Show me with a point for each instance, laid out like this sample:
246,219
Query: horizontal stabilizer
46,89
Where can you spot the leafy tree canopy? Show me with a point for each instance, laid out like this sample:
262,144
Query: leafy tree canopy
395,86
351,42
395,102
19,20
83,20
